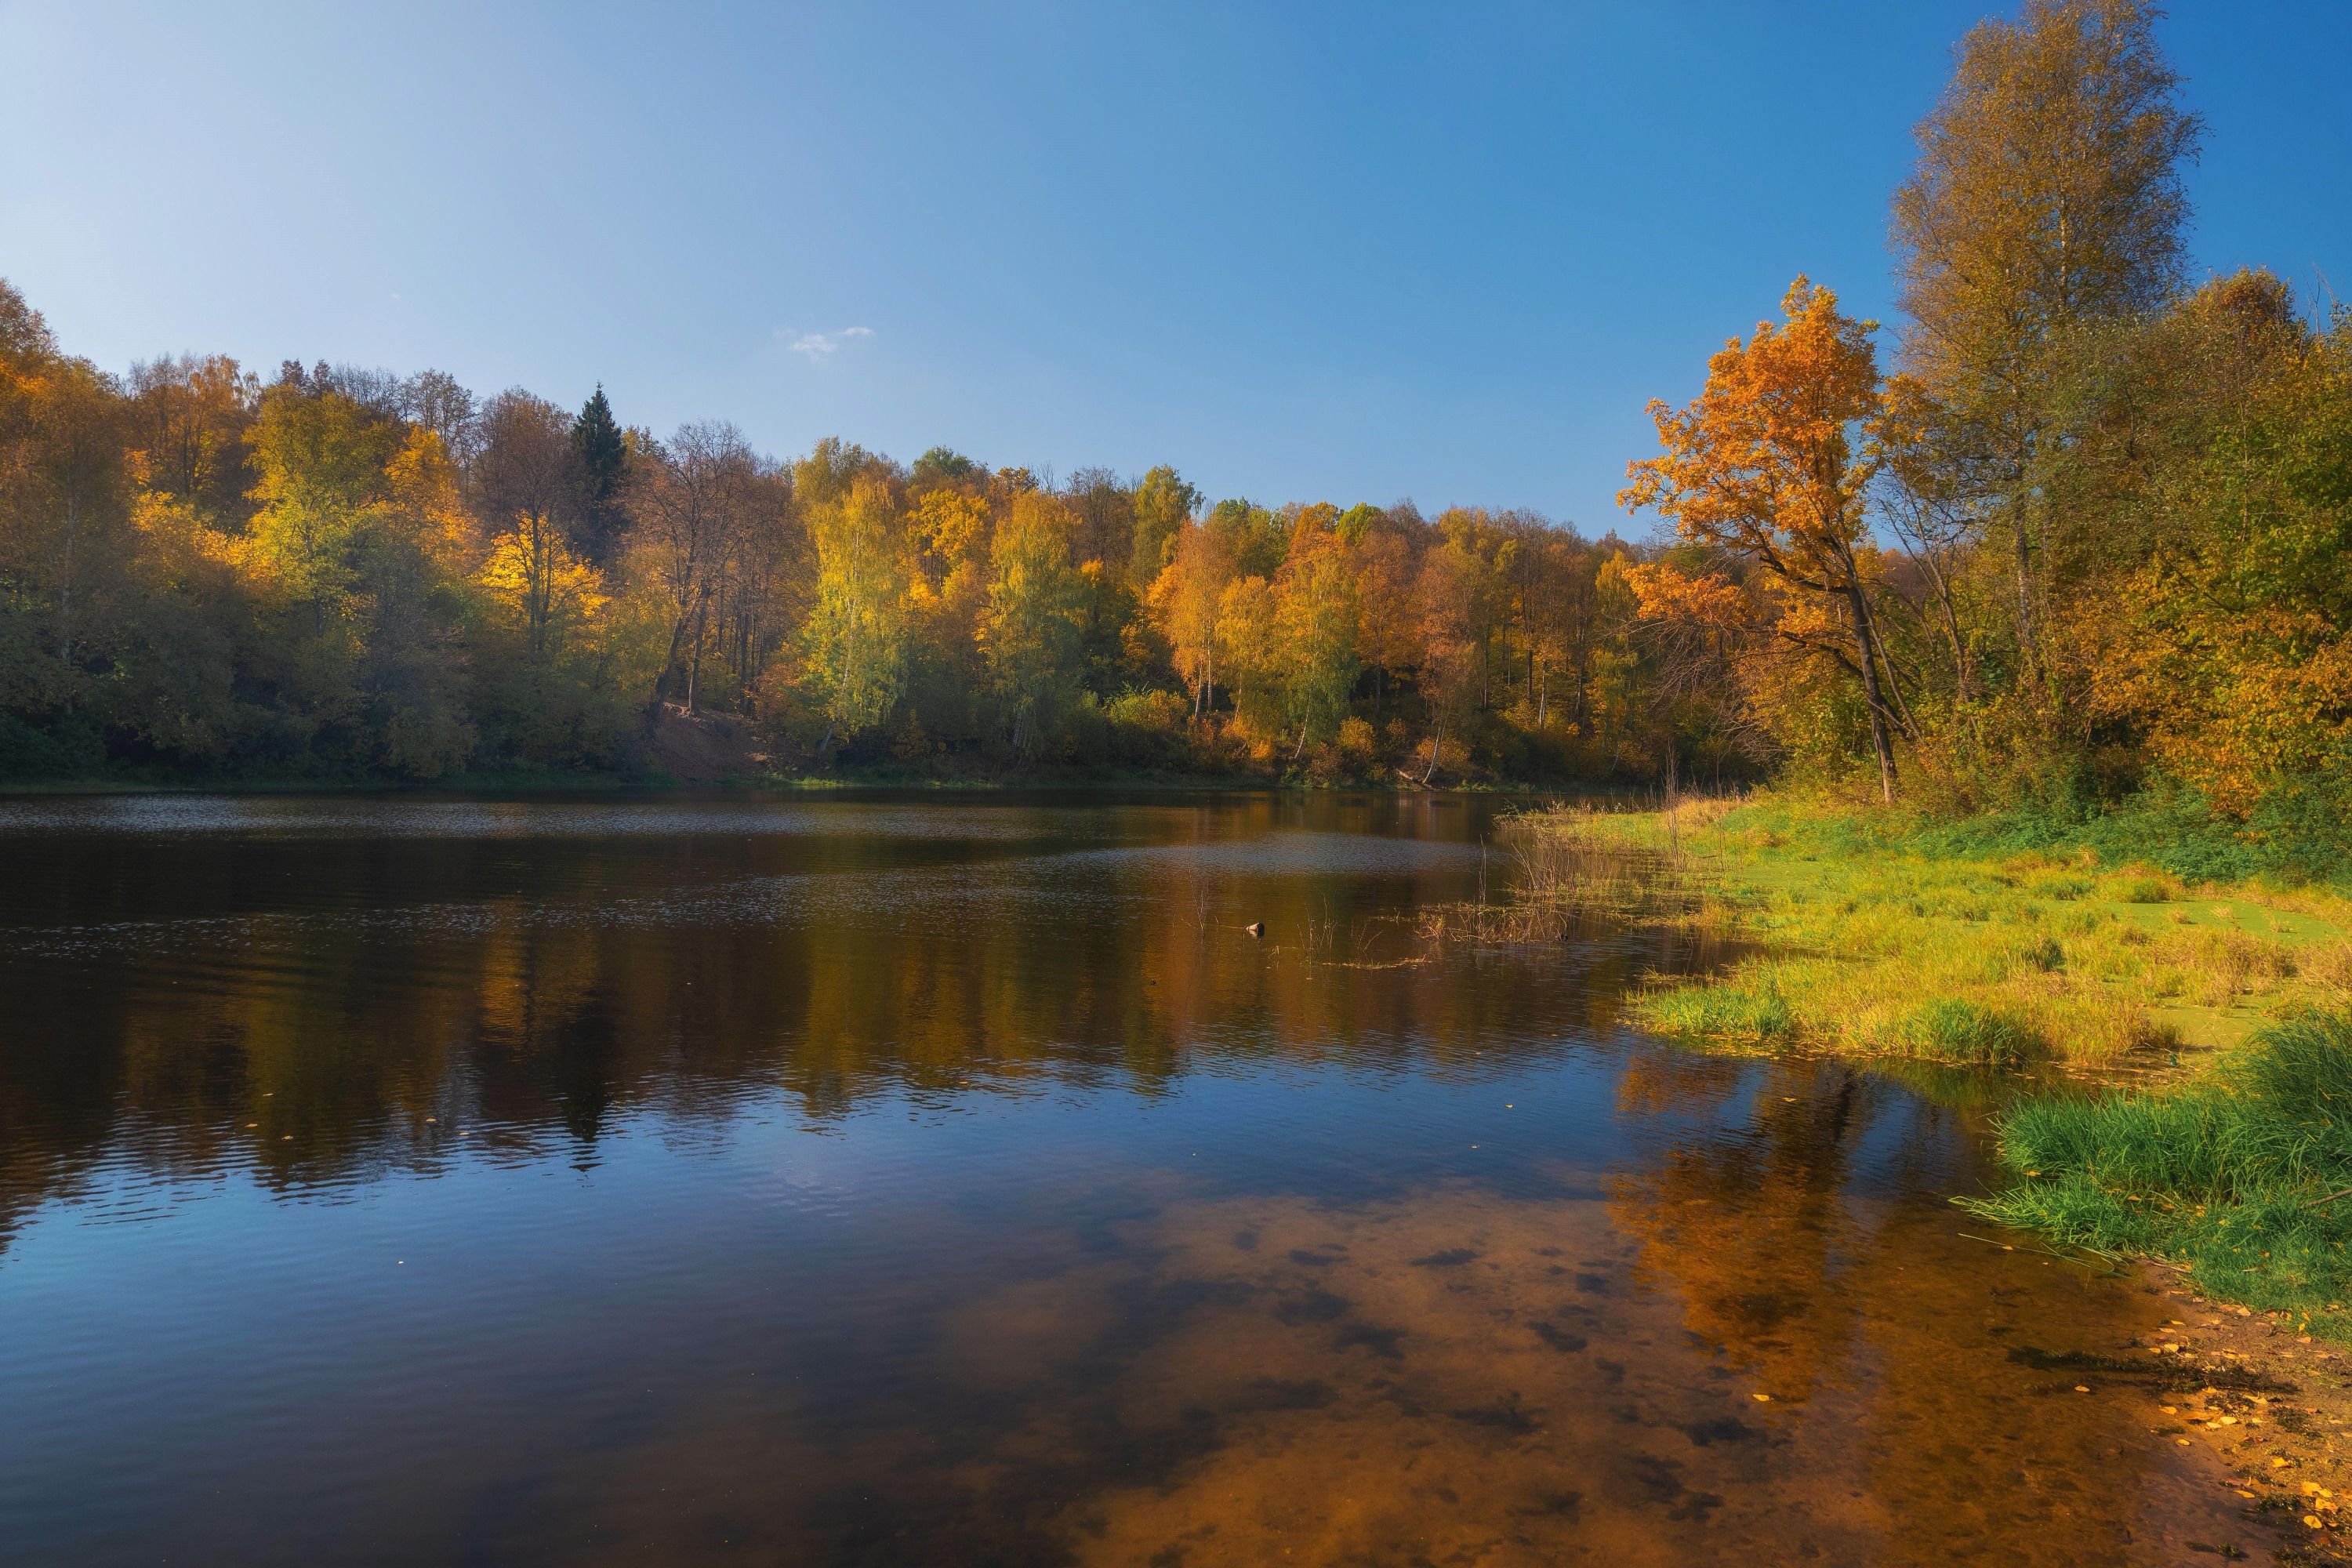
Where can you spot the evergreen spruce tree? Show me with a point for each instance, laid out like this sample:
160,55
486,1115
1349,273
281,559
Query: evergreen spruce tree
596,440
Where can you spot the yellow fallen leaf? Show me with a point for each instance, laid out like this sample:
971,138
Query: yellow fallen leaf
1761,1398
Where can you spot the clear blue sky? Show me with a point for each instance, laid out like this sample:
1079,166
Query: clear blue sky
1351,253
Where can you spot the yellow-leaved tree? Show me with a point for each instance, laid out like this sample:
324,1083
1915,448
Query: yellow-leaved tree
1186,597
1031,633
857,631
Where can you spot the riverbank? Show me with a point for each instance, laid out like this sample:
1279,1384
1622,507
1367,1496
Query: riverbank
1878,939
2199,1033
2243,1174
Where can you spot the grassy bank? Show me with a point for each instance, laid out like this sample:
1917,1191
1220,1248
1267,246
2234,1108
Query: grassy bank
1878,938
2244,1175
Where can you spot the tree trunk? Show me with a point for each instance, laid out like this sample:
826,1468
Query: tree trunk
694,674
1951,622
677,641
1436,749
2029,658
1867,644
65,594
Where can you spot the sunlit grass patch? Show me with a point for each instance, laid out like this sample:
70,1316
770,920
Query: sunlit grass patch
1734,1013
2144,885
1874,948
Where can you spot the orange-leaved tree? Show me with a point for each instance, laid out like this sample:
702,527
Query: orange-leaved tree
1772,460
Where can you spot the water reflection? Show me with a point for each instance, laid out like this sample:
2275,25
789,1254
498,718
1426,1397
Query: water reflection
885,1182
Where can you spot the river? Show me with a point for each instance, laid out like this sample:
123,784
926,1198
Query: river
957,1180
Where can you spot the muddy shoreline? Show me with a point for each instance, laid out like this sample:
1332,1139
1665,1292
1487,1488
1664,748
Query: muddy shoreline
2272,1405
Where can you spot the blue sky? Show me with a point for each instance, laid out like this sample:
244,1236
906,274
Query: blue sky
1355,252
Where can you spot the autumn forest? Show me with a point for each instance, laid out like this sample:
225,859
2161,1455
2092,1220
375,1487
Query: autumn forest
2072,529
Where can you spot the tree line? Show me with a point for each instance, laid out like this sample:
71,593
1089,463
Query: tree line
2083,529
343,573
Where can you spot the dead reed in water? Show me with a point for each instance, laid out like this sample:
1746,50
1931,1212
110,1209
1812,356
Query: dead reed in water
1575,870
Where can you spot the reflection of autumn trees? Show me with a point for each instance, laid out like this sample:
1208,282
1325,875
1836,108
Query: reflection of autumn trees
334,994
1748,1223
1788,1237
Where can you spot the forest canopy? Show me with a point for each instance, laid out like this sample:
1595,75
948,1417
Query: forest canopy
2074,527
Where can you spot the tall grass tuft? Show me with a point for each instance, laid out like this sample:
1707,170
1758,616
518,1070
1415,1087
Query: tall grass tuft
2245,1176
1949,1029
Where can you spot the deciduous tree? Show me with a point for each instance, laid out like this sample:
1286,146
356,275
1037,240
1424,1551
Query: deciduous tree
1772,460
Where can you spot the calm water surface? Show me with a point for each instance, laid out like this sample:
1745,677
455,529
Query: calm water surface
957,1182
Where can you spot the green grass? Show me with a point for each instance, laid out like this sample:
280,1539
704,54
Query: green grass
2240,1175
1873,938
1746,1013
2303,833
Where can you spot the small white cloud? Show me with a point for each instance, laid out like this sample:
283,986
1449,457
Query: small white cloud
822,346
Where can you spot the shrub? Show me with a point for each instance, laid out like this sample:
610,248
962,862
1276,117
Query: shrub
2144,885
